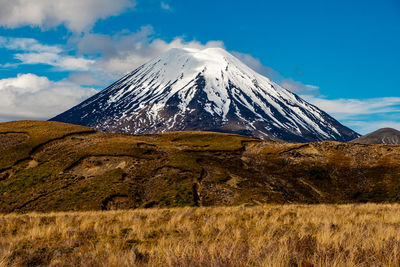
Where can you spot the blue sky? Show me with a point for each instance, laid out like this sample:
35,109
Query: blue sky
342,56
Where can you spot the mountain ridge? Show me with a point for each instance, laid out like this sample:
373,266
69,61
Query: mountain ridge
207,90
388,136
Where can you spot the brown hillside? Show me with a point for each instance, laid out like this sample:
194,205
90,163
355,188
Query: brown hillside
387,136
47,166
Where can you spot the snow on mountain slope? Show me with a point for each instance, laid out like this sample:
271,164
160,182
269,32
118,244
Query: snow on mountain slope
209,90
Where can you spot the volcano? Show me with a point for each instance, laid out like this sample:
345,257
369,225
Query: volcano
204,90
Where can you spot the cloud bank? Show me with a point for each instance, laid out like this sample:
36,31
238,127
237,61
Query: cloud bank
31,52
288,83
348,108
357,113
75,15
123,52
29,96
27,44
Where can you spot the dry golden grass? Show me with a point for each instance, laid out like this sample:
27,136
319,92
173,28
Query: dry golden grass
272,235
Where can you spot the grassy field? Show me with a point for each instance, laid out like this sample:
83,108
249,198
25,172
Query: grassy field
271,235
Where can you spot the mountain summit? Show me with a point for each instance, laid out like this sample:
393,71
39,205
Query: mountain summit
387,136
205,90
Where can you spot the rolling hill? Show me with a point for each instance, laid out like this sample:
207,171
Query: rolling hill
388,136
52,166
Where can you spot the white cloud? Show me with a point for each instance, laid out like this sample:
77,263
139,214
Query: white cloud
27,44
29,96
362,115
58,61
344,109
166,6
298,87
34,52
76,15
128,60
255,64
288,83
365,127
85,78
123,52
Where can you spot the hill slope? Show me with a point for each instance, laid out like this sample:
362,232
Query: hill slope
46,166
382,136
206,90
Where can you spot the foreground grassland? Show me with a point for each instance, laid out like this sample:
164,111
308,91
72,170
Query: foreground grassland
270,235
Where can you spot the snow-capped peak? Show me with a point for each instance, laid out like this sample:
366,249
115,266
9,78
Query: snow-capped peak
204,89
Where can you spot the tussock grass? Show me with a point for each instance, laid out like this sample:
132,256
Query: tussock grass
271,235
